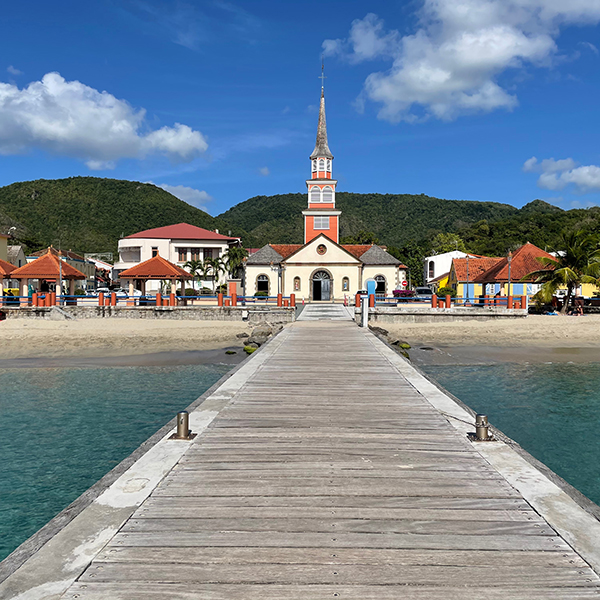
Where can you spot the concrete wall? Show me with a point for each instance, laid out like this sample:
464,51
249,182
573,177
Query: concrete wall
269,314
385,314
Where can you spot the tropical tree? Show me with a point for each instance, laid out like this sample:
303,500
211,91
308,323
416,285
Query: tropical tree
195,269
577,262
447,242
234,259
215,266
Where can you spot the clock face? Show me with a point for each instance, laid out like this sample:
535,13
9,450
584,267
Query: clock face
321,249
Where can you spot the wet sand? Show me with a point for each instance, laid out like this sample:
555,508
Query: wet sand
106,338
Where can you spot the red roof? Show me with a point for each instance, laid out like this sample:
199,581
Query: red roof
356,249
156,267
6,268
477,266
524,261
47,267
286,249
181,231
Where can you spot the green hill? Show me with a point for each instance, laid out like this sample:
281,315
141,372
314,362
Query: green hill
89,214
394,218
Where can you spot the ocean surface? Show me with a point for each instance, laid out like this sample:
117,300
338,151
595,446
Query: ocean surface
551,410
63,428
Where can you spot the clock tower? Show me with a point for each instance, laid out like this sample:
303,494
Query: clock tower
321,217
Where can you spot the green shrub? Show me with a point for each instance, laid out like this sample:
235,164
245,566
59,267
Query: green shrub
446,291
79,292
206,291
262,294
190,292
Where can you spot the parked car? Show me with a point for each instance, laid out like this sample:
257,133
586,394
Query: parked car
423,293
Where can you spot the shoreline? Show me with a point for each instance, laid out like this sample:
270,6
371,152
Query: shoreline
79,341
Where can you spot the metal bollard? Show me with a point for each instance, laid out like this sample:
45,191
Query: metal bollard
183,425
481,428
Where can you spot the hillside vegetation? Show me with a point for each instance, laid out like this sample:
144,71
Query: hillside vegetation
89,214
395,219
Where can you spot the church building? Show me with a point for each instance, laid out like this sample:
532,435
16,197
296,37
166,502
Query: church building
321,269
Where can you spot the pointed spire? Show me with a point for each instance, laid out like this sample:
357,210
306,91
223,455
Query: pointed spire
321,147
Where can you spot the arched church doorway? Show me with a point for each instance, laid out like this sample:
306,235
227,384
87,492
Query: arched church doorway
321,286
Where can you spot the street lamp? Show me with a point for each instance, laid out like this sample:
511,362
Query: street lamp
509,258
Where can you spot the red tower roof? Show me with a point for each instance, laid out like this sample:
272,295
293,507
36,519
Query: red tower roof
156,267
47,267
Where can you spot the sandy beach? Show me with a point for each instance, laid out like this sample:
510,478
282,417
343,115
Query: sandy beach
534,330
28,338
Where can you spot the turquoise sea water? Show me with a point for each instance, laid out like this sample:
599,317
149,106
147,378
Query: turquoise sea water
62,429
551,410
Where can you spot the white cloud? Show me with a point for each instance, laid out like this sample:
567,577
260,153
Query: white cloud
558,174
451,64
197,198
264,171
590,46
13,70
72,119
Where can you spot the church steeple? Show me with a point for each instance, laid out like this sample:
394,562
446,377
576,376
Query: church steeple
321,147
321,216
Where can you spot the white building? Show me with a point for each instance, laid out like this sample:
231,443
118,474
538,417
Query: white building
321,269
177,243
440,264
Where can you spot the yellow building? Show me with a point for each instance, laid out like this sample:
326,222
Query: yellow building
464,271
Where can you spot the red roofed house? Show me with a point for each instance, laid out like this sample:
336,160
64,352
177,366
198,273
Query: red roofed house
523,261
176,243
464,271
321,269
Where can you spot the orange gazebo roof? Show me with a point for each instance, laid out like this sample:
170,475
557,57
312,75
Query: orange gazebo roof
47,267
156,267
6,268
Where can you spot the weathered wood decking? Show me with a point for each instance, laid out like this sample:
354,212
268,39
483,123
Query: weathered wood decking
330,476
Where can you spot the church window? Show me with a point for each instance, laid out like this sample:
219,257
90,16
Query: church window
314,165
262,284
315,194
431,269
345,284
321,164
296,284
321,222
329,165
380,289
327,194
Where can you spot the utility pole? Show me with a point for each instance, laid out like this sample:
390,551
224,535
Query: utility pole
467,297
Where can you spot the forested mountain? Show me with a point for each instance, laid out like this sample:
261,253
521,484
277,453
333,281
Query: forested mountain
395,219
90,214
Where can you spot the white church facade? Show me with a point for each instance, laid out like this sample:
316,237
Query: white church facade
321,269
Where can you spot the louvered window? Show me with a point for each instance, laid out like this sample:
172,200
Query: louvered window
321,222
315,194
327,194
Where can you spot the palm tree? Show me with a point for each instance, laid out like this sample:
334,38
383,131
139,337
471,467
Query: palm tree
215,266
578,262
234,259
195,269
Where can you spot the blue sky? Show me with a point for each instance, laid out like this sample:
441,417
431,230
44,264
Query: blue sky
215,100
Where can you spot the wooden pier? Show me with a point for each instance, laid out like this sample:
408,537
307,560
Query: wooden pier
329,475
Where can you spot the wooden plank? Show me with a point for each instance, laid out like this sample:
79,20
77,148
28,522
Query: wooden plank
275,539
154,591
466,576
168,508
336,501
341,556
191,524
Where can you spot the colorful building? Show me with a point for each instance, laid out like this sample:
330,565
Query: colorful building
464,273
321,269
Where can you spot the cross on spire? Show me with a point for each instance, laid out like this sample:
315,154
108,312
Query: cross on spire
322,76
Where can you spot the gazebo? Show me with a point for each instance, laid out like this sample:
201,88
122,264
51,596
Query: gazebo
6,269
48,268
157,268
